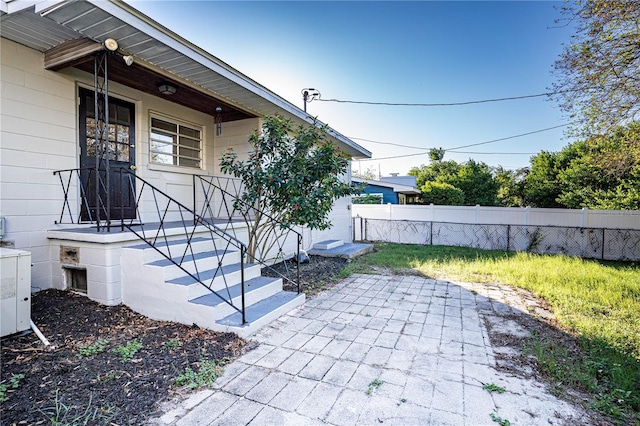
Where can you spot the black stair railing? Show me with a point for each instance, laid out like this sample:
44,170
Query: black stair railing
217,199
166,220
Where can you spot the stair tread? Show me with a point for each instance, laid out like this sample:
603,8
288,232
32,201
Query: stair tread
260,309
234,290
169,243
188,258
210,274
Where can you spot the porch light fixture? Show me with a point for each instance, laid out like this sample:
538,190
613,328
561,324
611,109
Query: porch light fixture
218,121
167,89
111,45
128,60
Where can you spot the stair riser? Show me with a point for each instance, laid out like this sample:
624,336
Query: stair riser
172,272
196,290
176,250
223,309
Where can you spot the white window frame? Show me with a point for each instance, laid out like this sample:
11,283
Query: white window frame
176,144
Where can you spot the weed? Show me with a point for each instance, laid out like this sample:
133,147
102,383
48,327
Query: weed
62,414
375,384
500,420
171,344
93,349
490,387
14,381
128,351
208,372
403,400
367,315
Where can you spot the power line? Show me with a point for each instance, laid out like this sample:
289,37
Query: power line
509,137
387,143
459,147
443,104
493,153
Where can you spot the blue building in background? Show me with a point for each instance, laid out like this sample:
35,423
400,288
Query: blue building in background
388,191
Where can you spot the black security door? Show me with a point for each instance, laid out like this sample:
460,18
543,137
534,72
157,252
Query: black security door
121,153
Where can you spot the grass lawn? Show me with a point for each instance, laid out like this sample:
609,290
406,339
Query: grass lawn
598,301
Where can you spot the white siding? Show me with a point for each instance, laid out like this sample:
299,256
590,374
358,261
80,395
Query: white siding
38,135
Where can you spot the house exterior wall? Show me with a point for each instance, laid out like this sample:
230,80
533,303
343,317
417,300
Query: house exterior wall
39,135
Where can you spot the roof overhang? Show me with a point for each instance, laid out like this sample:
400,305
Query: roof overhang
45,25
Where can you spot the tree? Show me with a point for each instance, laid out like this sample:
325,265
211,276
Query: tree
598,82
436,154
291,177
440,193
510,186
369,174
474,180
601,172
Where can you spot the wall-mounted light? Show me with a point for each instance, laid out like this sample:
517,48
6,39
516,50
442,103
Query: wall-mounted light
111,45
166,88
218,121
128,60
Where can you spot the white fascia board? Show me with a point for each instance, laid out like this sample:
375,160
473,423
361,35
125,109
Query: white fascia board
132,17
13,6
394,186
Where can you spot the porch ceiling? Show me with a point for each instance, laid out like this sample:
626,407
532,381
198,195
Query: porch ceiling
196,72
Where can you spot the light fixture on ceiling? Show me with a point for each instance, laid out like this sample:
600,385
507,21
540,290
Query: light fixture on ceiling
218,121
111,45
167,88
128,59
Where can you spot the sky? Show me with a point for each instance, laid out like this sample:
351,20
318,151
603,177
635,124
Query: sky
397,52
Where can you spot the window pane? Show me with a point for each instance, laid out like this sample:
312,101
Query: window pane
191,153
157,146
162,158
162,136
189,132
189,163
160,124
191,143
123,152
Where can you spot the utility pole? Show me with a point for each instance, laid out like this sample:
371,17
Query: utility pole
308,95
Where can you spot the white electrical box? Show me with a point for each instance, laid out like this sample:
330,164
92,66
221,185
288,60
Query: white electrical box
15,290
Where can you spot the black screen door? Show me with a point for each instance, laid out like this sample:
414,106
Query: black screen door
121,152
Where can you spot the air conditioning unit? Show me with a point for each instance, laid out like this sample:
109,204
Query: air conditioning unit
15,290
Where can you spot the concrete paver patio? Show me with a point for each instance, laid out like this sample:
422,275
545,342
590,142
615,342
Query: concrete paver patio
400,350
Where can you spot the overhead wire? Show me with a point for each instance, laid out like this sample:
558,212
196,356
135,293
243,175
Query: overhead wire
453,150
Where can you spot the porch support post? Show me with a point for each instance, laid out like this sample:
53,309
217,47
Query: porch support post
101,110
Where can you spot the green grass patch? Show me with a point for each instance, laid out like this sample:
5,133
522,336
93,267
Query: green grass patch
597,301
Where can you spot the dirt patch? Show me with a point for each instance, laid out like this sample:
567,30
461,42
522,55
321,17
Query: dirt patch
317,274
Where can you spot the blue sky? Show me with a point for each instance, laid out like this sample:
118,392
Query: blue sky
396,52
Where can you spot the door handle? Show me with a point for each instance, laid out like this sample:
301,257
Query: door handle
132,167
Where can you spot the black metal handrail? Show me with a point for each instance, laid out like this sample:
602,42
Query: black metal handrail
225,208
167,213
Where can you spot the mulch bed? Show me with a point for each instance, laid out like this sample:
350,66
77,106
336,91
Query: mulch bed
62,384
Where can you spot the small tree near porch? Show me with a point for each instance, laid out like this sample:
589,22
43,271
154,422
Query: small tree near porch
291,178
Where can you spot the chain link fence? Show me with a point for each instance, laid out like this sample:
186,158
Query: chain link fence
591,243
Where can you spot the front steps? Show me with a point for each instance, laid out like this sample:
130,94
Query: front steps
154,286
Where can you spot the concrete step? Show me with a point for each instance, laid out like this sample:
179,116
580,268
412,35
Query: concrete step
216,279
197,263
261,313
328,244
256,290
173,248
